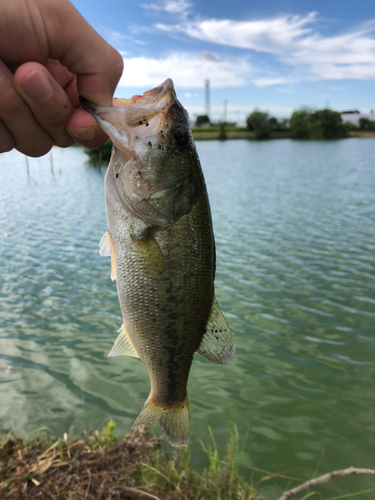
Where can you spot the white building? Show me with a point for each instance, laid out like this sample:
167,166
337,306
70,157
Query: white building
353,116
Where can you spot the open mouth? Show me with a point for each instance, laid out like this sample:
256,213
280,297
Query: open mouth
139,117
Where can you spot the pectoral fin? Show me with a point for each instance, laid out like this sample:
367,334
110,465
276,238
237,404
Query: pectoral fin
106,249
149,253
217,343
123,346
104,245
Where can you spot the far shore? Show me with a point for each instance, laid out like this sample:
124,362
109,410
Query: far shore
213,133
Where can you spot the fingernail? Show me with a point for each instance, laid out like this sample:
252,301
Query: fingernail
38,87
84,134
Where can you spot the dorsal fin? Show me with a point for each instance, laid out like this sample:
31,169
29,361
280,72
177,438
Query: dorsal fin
217,343
123,346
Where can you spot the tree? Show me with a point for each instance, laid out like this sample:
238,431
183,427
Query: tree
260,123
330,123
366,124
202,120
300,123
306,123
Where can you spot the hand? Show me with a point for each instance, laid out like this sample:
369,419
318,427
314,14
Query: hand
49,55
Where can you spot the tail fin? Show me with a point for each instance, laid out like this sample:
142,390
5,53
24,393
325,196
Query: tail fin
175,422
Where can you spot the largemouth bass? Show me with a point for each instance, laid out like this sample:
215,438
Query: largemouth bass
162,250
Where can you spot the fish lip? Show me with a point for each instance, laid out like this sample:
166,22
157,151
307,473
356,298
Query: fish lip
148,98
129,122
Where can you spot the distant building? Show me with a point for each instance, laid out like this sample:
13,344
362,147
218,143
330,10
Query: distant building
354,115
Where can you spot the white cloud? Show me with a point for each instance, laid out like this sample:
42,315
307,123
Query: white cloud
270,35
266,81
186,70
296,44
180,7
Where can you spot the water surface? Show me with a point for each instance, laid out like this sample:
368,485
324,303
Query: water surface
294,225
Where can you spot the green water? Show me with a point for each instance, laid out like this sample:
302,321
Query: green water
294,225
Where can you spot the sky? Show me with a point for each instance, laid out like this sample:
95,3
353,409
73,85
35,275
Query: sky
275,55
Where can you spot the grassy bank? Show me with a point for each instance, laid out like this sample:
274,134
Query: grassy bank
97,467
213,133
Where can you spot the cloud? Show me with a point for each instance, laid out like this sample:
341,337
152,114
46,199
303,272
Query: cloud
266,81
180,7
187,71
295,43
270,35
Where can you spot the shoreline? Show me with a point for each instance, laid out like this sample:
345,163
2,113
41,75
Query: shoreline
214,135
98,467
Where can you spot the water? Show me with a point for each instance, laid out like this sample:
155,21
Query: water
294,225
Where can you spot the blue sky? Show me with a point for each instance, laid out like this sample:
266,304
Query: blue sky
276,55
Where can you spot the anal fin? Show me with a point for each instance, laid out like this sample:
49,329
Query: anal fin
217,343
123,346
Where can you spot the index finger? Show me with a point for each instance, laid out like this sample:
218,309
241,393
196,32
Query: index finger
82,50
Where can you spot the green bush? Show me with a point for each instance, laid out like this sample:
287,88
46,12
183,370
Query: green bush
306,123
300,123
366,124
101,154
202,120
261,123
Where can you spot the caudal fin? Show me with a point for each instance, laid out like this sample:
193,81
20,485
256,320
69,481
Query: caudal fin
175,421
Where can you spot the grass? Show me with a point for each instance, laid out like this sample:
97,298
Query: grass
213,133
97,467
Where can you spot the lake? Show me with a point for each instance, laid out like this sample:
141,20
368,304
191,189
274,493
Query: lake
294,226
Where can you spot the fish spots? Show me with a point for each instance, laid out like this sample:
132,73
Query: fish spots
147,124
140,122
116,176
149,143
66,107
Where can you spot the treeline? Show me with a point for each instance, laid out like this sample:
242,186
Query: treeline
305,123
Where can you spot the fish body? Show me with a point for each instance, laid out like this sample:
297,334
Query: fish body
162,249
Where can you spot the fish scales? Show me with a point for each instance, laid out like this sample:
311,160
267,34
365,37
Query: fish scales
158,309
162,250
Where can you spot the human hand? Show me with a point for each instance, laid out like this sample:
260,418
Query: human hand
49,55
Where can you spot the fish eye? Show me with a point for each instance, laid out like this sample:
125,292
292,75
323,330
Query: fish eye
179,134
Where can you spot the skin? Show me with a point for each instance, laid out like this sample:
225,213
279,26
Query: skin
49,55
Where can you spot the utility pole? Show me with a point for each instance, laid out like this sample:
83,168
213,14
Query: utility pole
208,111
225,111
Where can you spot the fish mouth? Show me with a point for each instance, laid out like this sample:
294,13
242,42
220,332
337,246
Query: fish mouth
130,122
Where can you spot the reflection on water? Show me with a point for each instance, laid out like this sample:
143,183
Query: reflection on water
294,225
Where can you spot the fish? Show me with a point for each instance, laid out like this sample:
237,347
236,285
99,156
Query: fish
162,248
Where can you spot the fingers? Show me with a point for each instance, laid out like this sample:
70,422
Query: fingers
7,142
83,51
28,136
46,99
84,128
81,125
